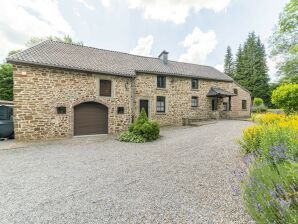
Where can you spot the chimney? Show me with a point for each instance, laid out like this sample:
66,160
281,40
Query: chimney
164,56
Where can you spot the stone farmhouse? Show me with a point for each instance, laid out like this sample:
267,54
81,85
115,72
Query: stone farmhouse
63,90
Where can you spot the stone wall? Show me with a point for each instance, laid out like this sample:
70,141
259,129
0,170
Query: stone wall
242,94
38,91
178,95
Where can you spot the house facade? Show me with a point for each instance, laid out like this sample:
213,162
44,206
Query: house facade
63,90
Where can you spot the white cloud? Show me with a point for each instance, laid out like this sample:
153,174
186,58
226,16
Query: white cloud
176,10
22,19
199,45
219,67
106,3
144,46
87,5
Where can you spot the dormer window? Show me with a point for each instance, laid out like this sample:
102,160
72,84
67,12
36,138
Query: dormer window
194,84
161,81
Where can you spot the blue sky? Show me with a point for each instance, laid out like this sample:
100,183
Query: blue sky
196,31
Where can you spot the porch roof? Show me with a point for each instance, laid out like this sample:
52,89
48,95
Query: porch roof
218,92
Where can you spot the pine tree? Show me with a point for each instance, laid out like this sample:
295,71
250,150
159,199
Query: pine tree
251,68
229,63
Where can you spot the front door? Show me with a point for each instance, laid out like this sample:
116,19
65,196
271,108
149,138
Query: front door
144,104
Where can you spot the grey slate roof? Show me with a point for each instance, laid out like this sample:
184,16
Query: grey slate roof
219,92
83,58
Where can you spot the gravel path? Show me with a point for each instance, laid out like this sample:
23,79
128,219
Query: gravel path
184,177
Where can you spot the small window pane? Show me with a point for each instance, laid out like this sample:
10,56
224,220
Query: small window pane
225,106
214,104
61,110
105,87
160,104
194,84
120,110
161,81
194,101
244,105
236,91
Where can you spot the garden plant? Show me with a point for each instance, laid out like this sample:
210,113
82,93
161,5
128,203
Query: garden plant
270,190
142,130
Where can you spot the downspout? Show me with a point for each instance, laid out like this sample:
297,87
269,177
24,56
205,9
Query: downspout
132,99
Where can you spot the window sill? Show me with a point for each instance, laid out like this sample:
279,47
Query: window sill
160,113
106,96
195,90
195,108
161,88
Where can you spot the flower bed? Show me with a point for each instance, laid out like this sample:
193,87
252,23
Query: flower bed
270,190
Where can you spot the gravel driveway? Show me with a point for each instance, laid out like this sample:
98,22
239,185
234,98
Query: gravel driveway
184,177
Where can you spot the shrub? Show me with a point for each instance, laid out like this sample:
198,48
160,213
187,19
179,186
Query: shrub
251,139
259,109
141,130
285,97
270,193
130,137
258,102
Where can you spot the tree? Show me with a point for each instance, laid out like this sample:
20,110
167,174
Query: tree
284,43
66,39
258,102
285,97
229,63
14,52
251,68
6,82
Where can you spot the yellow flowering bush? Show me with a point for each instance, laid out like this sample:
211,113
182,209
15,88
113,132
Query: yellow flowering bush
251,138
271,129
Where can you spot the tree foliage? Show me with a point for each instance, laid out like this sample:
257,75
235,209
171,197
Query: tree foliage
285,97
251,69
229,63
258,102
66,39
6,82
284,43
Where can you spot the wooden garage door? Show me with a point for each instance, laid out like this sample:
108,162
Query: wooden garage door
90,118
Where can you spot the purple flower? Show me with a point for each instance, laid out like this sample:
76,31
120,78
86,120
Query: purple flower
258,206
278,152
247,159
283,204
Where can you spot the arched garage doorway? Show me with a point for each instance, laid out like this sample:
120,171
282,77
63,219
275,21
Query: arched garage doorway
90,118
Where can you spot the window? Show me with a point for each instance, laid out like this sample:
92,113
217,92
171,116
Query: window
214,104
160,104
4,113
120,110
61,110
244,104
161,81
236,91
105,87
194,101
194,84
225,106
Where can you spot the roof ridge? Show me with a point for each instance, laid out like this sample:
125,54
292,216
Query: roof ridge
96,48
